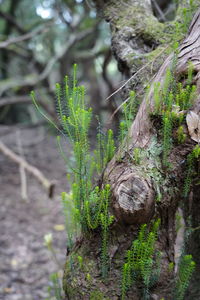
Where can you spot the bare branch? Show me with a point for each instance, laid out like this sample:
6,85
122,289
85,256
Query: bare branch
159,11
123,85
24,37
10,20
135,74
32,80
22,171
26,100
14,100
31,169
72,41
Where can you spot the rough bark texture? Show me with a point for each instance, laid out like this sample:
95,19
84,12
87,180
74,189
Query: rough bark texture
134,187
139,38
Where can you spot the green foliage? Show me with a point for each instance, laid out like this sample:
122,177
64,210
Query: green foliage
55,289
105,222
98,295
178,222
126,279
129,111
167,133
142,261
110,147
93,208
85,208
72,218
181,136
196,151
171,267
80,261
105,149
75,120
88,277
90,205
171,100
97,214
191,158
137,155
182,25
185,271
157,97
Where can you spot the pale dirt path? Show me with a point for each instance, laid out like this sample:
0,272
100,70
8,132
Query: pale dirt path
25,264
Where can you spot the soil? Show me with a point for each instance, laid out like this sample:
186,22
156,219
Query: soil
25,262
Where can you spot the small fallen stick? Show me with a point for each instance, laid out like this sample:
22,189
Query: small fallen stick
31,169
22,171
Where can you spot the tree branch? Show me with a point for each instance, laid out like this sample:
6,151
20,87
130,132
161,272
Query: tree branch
25,100
22,171
10,20
24,37
31,169
159,11
32,80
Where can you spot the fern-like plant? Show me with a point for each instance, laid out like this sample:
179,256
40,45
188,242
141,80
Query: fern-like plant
105,221
129,111
140,261
170,103
167,133
191,158
88,205
185,271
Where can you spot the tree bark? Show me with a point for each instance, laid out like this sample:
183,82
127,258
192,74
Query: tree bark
139,38
135,187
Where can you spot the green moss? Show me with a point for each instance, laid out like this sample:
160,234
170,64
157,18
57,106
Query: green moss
74,270
155,53
97,295
153,30
125,15
150,29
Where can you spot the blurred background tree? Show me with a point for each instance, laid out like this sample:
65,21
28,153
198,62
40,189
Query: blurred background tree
40,41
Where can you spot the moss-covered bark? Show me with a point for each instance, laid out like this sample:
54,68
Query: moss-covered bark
139,38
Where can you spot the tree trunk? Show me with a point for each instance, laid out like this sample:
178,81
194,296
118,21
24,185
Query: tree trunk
136,186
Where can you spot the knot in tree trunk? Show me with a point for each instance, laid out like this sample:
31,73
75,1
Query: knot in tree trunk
134,199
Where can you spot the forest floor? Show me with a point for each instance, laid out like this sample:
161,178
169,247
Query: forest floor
25,262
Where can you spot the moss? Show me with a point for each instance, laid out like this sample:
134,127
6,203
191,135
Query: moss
153,30
73,270
155,53
135,58
97,295
131,17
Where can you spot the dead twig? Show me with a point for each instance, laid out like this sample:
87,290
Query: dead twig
159,11
24,37
31,169
22,171
135,74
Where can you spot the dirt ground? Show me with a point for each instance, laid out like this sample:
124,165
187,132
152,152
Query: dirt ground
25,263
